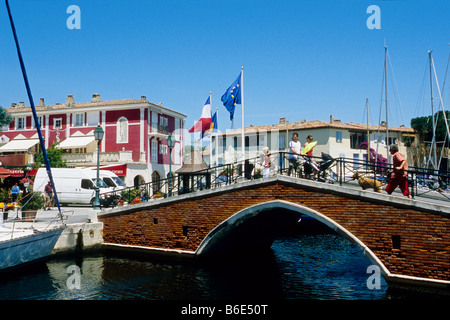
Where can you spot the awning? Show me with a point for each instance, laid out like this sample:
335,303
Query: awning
19,145
4,173
76,142
120,169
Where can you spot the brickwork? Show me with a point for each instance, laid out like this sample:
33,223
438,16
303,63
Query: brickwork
409,241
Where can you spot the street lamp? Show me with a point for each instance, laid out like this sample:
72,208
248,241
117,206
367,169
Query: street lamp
170,144
98,135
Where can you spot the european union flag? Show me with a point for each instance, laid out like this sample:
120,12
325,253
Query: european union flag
232,96
214,124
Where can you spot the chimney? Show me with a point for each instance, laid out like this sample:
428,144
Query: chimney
143,98
70,102
96,97
331,118
41,102
13,105
21,104
282,120
383,123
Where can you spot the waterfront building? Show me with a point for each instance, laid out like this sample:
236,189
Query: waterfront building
134,144
334,137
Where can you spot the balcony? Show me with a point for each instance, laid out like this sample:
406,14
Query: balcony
158,130
105,157
18,159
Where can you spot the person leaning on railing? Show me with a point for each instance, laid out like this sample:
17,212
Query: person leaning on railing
294,151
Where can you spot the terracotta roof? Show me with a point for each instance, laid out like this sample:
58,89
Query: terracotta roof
316,124
79,105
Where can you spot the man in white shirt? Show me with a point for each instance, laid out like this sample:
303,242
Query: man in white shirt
294,151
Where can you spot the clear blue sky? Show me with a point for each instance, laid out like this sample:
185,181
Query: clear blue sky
302,59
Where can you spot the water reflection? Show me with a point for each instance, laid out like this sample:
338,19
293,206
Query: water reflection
317,266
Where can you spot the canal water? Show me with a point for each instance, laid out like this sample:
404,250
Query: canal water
318,266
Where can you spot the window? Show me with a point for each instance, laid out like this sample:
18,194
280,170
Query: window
109,182
281,142
41,123
356,161
20,123
224,144
339,136
57,123
93,118
163,124
78,119
87,184
356,138
156,183
122,130
154,150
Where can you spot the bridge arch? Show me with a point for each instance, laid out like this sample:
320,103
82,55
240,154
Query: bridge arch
236,231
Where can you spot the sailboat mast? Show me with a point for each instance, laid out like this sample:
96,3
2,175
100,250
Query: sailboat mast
33,109
433,142
386,101
368,132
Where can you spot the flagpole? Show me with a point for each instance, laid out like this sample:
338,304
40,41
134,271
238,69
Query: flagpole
210,135
242,135
217,141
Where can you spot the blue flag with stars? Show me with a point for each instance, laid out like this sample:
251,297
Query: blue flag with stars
232,96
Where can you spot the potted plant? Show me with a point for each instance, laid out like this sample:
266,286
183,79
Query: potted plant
159,194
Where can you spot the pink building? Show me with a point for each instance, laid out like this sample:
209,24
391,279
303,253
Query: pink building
134,145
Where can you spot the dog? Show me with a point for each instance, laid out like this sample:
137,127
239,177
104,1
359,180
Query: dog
367,183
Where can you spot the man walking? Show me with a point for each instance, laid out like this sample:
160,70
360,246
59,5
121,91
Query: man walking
399,172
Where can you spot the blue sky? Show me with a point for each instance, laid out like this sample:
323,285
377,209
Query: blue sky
302,59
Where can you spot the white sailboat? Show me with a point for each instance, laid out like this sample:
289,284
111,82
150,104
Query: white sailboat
19,246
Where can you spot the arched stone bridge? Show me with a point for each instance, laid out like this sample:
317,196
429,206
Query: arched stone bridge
408,239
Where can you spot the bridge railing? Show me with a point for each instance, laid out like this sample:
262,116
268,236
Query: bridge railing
423,182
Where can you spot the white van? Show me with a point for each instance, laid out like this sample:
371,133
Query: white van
73,185
112,180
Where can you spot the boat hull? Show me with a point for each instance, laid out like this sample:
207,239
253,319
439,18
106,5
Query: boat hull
18,251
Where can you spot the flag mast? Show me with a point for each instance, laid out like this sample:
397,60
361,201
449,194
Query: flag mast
210,135
242,135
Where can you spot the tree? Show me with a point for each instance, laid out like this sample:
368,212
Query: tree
5,118
54,157
424,127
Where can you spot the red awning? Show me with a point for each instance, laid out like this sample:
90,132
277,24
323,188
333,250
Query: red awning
120,170
4,173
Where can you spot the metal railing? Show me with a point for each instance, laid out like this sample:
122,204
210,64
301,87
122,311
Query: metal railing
422,182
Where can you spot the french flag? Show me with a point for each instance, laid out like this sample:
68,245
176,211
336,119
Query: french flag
204,123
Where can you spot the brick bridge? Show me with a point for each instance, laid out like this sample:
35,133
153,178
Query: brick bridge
408,239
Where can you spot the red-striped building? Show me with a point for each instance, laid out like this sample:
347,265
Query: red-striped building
134,145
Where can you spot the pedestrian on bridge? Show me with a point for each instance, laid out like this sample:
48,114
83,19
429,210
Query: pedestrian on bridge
399,173
267,162
294,151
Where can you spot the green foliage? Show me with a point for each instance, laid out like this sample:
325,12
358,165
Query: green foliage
129,194
54,157
34,201
5,117
424,127
4,195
